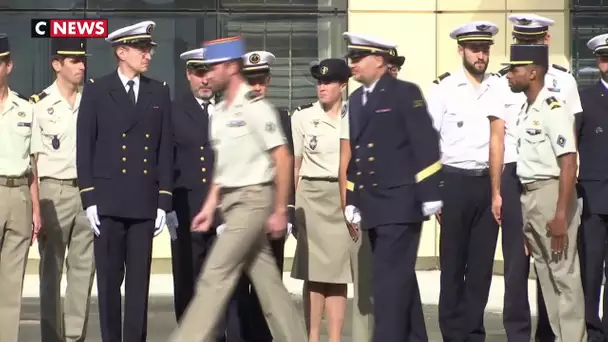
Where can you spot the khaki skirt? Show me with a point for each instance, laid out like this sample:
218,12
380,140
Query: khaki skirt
324,244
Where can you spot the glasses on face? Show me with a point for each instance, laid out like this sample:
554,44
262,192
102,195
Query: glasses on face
394,69
144,50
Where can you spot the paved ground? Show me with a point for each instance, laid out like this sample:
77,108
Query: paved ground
161,322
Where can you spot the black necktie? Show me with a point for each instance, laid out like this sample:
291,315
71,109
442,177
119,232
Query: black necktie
131,92
206,107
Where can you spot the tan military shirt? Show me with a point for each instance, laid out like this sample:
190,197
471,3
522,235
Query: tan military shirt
241,135
54,135
316,139
16,121
545,131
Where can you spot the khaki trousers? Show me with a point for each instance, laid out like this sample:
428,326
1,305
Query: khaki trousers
15,242
363,309
243,246
65,226
559,278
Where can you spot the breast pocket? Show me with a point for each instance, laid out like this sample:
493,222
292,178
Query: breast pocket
23,127
315,142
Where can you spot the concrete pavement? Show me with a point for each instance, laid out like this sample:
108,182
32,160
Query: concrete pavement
161,322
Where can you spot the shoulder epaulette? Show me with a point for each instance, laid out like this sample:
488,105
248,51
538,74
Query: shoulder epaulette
37,97
503,71
308,105
560,68
552,102
20,96
441,77
252,96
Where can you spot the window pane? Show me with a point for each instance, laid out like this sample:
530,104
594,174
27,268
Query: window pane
287,5
31,56
42,4
296,41
585,28
589,3
150,4
174,34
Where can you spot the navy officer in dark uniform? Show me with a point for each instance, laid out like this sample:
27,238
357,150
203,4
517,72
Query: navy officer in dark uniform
395,63
193,168
256,69
124,162
395,151
593,185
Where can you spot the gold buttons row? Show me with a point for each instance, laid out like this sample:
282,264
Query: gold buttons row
370,145
371,159
124,171
124,159
124,135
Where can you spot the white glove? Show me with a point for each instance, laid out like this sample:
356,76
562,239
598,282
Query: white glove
352,214
431,208
159,224
93,219
220,229
172,225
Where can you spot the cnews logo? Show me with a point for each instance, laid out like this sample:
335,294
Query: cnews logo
69,28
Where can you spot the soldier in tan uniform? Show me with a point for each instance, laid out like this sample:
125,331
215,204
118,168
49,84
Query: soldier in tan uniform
547,166
322,257
251,183
65,222
19,207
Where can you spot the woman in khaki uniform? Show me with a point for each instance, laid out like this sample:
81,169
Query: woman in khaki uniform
322,257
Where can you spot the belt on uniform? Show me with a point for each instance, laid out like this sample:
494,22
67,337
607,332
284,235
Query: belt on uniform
323,179
538,184
466,172
69,182
13,182
228,189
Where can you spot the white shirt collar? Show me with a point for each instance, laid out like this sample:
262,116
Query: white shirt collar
211,101
124,79
370,89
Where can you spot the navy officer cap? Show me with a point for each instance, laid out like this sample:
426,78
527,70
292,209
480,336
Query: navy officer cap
395,59
527,54
4,47
331,70
599,45
137,34
69,47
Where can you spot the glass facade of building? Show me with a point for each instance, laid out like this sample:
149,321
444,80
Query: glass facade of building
588,19
296,31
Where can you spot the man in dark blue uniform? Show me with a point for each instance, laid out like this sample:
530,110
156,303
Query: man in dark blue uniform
193,168
395,151
124,163
593,185
256,69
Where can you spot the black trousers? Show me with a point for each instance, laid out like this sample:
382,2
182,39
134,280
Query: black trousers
466,245
254,325
123,243
188,253
516,308
394,284
593,250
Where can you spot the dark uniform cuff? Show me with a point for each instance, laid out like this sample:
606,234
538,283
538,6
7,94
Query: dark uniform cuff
428,183
86,196
165,200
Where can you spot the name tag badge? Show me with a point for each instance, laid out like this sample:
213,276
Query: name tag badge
533,131
24,124
236,123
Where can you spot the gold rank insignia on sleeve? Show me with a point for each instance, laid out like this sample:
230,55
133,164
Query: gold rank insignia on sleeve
553,103
418,103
